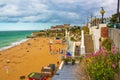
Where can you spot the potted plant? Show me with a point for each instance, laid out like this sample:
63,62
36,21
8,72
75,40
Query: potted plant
66,61
73,61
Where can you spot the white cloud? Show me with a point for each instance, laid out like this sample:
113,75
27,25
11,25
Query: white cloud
53,11
110,7
9,10
66,1
69,15
29,18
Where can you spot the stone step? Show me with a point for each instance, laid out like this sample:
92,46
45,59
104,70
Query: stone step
89,47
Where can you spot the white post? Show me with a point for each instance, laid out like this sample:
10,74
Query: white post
68,39
66,33
73,49
82,50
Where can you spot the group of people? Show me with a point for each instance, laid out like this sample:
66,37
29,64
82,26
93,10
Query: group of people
54,50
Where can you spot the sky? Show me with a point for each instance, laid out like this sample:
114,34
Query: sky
39,14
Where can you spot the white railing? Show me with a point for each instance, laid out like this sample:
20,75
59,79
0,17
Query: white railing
61,65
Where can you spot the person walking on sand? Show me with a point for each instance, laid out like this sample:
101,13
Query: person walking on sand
62,51
50,48
59,50
6,69
58,63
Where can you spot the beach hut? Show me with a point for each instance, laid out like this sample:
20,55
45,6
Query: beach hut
47,70
37,76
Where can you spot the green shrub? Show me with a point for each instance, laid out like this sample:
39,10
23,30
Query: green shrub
103,66
107,44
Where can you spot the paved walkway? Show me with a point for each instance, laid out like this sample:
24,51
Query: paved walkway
68,72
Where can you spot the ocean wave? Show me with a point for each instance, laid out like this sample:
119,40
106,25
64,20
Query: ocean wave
14,44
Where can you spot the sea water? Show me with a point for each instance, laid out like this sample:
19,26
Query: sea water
11,38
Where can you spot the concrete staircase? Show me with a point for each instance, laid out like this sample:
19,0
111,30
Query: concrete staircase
68,72
89,46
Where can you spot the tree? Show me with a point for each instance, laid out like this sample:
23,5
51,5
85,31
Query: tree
86,29
113,20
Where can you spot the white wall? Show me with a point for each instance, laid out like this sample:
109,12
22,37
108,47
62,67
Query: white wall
96,34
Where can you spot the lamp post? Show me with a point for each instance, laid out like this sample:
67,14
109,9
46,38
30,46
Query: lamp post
95,20
102,13
118,10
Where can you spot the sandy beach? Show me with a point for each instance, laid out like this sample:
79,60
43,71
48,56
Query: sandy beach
28,57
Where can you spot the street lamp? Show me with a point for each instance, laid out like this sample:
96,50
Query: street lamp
117,25
102,13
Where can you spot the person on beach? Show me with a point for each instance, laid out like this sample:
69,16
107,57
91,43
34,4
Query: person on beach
59,50
58,63
6,69
50,48
78,50
62,51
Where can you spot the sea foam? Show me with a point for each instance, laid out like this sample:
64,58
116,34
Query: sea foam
14,44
